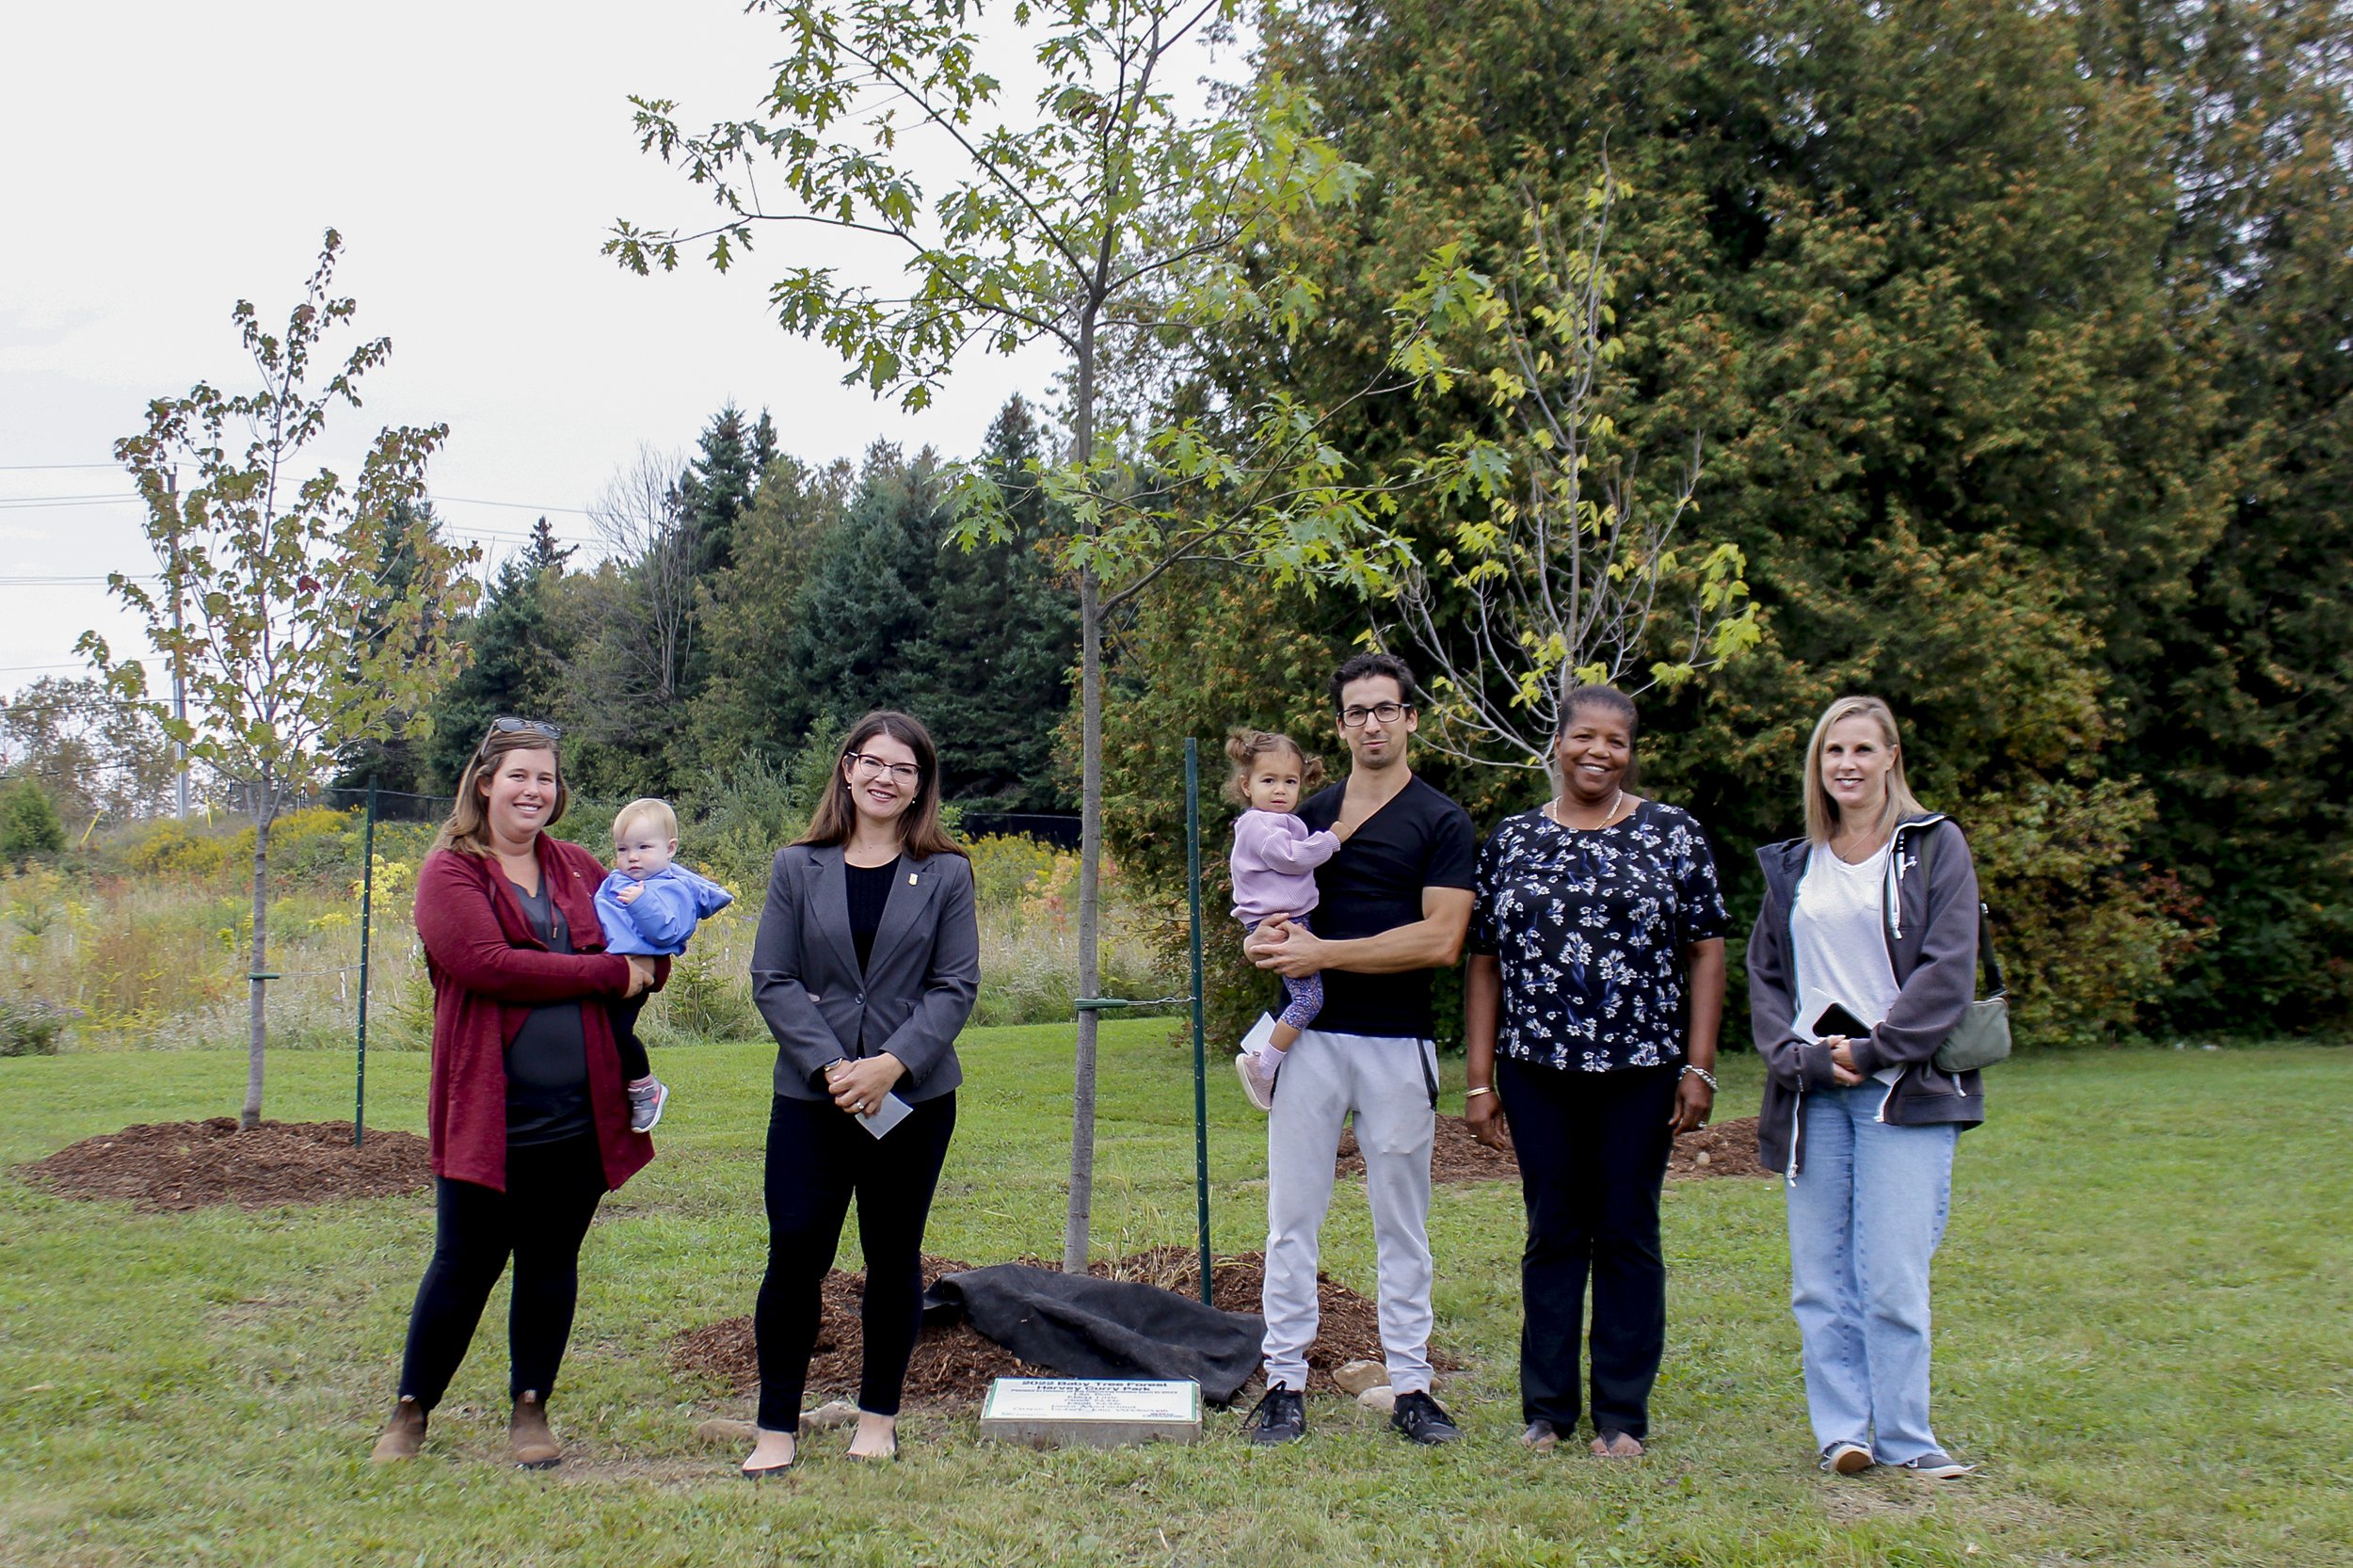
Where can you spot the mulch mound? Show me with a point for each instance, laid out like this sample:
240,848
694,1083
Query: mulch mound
1720,1149
170,1167
954,1366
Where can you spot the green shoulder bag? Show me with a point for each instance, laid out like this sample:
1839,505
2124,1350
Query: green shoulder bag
1982,1036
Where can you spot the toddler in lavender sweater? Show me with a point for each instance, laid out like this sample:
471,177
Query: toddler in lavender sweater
1273,863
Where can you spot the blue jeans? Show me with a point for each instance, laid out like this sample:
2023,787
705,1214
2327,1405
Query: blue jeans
1866,1215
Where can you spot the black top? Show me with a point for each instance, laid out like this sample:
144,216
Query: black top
1590,930
547,1061
1418,839
870,891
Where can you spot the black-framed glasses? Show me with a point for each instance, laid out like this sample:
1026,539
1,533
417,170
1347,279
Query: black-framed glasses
1388,713
902,774
506,723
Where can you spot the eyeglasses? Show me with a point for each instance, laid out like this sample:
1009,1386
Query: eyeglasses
507,725
902,774
1388,713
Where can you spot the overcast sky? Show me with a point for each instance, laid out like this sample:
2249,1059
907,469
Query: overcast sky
165,160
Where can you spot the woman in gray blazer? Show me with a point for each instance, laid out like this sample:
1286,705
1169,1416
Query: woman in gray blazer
865,968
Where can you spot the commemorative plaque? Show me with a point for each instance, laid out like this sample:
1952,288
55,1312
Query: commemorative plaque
1098,1413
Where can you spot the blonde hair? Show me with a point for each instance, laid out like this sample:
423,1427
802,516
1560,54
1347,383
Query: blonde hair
658,811
1821,812
467,828
1245,746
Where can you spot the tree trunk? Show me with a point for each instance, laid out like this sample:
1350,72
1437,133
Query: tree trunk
1074,1236
267,809
1074,1241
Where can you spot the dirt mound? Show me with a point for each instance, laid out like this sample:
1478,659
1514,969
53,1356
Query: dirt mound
169,1167
1730,1149
954,1366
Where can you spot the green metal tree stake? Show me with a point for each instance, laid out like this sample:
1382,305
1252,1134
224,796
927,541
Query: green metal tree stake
1200,1059
367,911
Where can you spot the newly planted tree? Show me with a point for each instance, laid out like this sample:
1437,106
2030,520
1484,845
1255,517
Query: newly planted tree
1561,571
1104,219
274,601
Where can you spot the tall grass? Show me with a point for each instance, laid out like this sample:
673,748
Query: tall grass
144,943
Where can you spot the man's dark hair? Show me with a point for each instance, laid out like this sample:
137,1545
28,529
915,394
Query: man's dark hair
1367,664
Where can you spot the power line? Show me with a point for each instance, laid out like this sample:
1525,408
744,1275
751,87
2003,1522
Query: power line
27,467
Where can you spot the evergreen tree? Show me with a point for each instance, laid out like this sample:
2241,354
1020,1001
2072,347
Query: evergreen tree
752,700
514,654
719,483
29,825
997,653
866,602
544,552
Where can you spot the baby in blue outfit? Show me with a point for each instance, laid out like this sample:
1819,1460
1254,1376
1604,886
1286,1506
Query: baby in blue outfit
649,905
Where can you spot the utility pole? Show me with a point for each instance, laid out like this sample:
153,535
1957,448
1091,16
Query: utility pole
179,659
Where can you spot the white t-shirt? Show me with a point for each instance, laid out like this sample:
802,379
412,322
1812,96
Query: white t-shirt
1841,949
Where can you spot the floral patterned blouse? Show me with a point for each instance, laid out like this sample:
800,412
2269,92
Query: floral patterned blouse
1590,929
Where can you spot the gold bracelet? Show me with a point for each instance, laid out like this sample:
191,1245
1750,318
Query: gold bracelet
1480,1089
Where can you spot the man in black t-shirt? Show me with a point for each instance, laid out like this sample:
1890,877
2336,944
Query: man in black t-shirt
1392,905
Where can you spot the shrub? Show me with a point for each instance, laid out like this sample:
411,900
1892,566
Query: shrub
29,1028
29,824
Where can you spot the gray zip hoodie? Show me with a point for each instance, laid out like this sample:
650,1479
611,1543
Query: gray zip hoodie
1931,929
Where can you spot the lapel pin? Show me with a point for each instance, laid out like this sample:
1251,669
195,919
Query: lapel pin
910,879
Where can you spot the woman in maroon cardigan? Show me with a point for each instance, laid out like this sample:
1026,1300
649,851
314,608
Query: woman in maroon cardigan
529,1120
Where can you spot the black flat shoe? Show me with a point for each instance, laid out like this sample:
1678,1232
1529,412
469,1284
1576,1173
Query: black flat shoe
764,1471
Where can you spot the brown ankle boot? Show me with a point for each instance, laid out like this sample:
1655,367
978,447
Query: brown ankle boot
403,1435
527,1432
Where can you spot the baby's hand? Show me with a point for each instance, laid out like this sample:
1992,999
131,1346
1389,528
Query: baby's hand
629,894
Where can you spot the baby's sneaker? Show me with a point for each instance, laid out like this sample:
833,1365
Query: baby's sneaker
1258,1079
647,1097
1256,1066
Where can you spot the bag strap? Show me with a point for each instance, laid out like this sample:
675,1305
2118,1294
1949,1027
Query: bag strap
1989,967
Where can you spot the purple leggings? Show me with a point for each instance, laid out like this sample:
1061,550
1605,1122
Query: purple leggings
1306,994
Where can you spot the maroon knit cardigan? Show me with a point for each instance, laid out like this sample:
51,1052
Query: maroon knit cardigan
488,972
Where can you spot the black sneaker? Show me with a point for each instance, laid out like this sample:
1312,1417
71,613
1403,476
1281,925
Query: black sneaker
1423,1420
1280,1418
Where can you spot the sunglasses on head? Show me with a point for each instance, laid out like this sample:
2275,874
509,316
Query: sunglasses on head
506,725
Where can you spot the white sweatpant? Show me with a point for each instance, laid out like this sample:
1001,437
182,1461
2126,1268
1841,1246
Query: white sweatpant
1390,1083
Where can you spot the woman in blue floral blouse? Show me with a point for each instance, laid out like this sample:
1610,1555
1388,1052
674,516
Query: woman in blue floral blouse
1596,988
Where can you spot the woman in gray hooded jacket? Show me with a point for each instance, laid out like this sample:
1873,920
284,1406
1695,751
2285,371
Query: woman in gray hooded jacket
1863,961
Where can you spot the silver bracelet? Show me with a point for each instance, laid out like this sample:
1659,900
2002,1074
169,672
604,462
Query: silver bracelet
1706,1077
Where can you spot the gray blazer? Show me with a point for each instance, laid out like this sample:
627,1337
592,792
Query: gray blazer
917,989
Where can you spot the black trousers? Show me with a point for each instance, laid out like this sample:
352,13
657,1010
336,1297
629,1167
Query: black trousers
1593,1151
634,1062
551,1194
818,1158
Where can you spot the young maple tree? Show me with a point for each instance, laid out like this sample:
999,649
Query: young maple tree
1106,220
274,606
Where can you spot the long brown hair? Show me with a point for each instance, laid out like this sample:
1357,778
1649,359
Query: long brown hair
920,833
1821,812
467,829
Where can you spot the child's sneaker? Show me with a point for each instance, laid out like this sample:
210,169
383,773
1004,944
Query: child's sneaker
1256,1067
646,1100
1258,1079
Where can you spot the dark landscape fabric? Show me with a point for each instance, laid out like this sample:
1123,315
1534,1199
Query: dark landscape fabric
1084,1327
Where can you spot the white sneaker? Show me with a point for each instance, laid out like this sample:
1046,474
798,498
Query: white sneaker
1937,1466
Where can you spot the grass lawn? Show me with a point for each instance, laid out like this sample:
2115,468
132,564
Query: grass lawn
2143,1322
